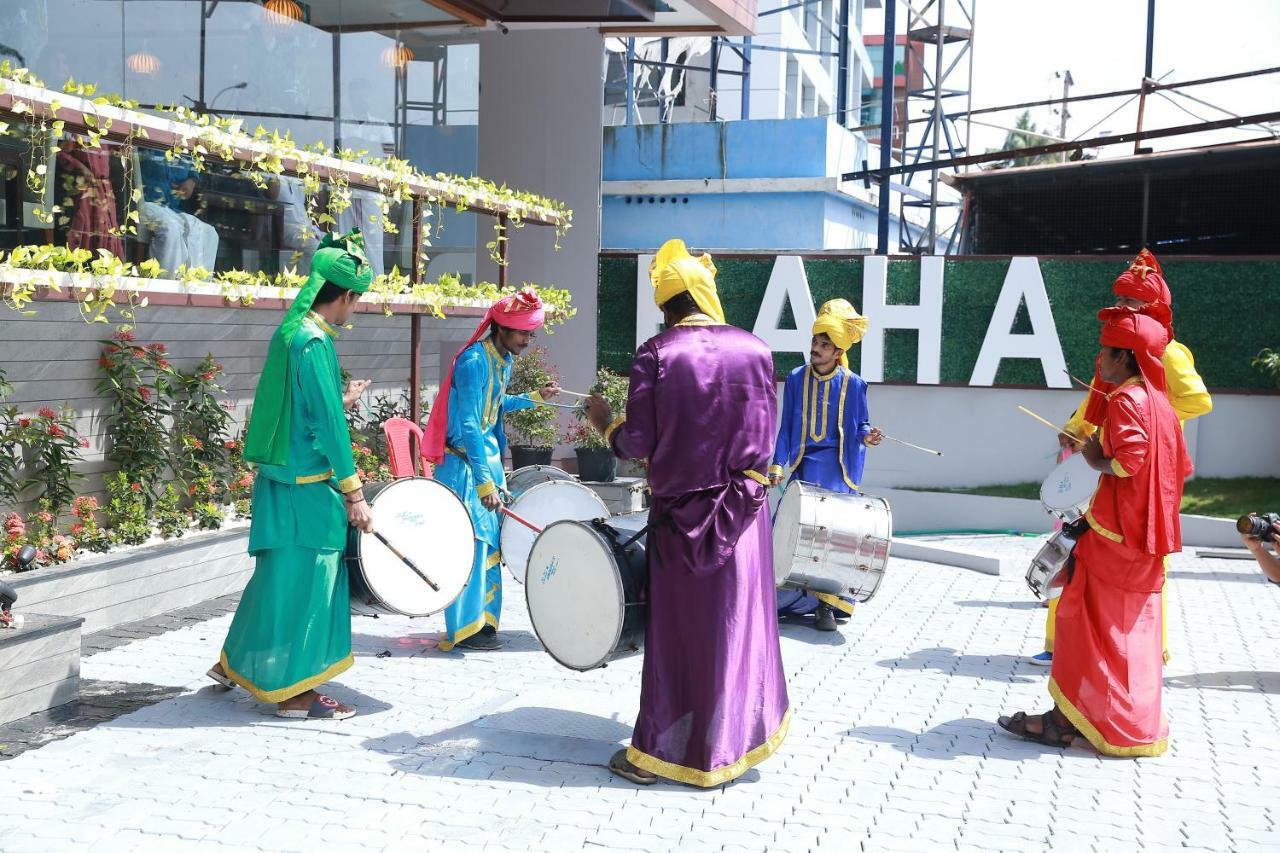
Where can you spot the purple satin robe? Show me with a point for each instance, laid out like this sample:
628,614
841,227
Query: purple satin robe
713,698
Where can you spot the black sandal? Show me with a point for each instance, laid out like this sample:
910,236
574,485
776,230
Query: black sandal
1051,733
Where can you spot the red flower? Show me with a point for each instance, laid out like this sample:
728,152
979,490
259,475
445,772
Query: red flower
145,392
104,362
84,442
46,412
112,349
191,490
230,445
218,366
207,377
158,349
124,335
45,517
77,529
56,431
161,364
137,487
24,422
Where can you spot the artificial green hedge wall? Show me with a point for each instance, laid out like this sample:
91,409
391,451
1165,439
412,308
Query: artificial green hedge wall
1224,311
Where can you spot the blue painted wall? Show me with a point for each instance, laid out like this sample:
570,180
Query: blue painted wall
732,149
452,150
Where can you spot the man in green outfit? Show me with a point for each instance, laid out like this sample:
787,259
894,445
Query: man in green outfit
292,630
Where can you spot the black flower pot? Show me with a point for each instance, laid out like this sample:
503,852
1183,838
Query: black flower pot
523,457
597,466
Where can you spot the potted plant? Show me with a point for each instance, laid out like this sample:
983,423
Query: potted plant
596,462
531,433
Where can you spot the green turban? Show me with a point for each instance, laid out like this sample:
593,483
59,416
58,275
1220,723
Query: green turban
342,261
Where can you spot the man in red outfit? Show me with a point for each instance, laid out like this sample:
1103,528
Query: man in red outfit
1107,665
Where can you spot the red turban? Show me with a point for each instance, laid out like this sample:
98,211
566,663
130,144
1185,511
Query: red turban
522,311
1144,281
1125,328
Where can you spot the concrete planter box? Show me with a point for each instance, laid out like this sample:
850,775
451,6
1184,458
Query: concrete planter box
39,665
106,590
917,511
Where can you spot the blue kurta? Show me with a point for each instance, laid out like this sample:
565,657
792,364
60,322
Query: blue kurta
821,440
472,468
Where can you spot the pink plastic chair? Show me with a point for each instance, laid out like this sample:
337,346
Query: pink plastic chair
403,459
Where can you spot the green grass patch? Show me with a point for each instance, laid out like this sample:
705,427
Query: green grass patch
1222,497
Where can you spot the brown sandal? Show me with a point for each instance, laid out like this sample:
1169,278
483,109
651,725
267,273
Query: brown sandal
620,766
1052,733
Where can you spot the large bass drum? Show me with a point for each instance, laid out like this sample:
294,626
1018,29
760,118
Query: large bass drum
427,523
832,542
541,504
586,590
523,479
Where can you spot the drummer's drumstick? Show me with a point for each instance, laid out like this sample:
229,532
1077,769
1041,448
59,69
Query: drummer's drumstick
1081,382
573,393
553,405
927,450
394,550
417,571
526,522
1047,423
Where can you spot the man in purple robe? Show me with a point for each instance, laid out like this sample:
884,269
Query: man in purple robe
701,409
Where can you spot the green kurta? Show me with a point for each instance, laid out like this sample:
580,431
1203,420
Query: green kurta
292,630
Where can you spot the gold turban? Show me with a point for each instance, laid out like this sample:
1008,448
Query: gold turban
675,271
840,322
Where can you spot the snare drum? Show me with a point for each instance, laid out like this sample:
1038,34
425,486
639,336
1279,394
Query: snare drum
523,479
1069,488
586,592
832,542
543,503
1047,571
428,524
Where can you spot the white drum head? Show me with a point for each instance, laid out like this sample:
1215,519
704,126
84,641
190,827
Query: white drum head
786,531
427,523
1070,485
547,502
575,597
521,480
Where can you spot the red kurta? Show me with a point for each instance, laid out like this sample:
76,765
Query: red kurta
1107,662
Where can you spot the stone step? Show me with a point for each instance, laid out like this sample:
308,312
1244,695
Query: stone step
39,665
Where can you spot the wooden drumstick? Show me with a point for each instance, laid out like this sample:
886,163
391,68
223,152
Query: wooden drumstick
417,571
394,550
1081,382
1047,423
909,444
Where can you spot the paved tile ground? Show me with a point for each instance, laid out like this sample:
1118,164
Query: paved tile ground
892,745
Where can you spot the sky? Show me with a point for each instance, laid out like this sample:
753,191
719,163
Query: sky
1019,44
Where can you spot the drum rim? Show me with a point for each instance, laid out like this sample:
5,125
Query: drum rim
359,543
617,583
506,519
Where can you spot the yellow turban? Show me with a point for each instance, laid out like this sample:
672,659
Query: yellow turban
840,322
675,271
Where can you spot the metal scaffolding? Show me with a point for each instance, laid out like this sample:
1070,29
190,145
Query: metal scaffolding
946,26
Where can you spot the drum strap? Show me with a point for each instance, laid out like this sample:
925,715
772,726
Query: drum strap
1075,530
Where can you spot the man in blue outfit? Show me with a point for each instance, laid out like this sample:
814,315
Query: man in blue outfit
824,435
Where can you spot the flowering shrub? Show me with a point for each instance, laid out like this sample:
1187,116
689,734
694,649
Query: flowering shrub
136,380
171,519
369,466
126,511
15,536
85,532
51,446
206,508
200,421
